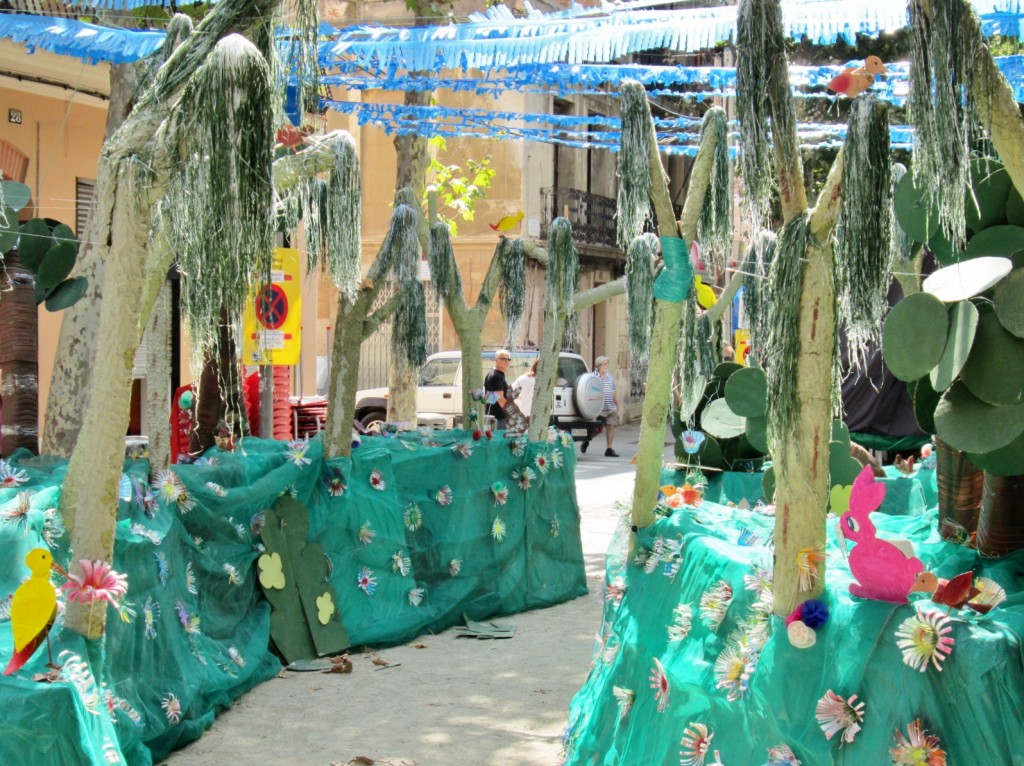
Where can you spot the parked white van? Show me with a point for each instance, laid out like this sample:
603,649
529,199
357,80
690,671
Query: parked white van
579,396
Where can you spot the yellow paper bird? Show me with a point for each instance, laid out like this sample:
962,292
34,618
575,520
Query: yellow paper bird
706,297
507,223
33,609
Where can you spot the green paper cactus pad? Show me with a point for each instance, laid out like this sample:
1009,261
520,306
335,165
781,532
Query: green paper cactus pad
963,324
914,336
747,392
965,422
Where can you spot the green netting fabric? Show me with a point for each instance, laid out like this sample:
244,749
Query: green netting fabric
665,666
404,557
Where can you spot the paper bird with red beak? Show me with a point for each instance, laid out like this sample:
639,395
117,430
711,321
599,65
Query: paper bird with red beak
508,223
953,594
853,81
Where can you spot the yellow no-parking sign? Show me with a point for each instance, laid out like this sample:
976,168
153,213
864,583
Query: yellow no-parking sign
271,325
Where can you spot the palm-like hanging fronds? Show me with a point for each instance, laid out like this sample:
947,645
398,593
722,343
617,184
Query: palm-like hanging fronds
757,266
940,106
902,243
399,257
695,355
634,203
332,212
444,271
763,101
714,229
639,300
863,248
512,291
785,285
218,207
563,272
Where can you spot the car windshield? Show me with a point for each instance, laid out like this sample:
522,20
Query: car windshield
520,363
439,372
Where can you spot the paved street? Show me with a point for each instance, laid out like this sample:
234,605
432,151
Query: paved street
440,700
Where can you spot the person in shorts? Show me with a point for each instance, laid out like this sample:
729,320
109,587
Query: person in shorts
610,412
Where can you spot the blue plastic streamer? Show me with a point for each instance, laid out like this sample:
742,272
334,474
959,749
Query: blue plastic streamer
89,42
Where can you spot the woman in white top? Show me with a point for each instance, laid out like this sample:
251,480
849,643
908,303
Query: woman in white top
523,386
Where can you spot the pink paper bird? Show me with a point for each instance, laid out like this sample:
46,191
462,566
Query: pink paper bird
884,571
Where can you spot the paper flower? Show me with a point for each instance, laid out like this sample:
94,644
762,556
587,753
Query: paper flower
696,743
216,489
557,459
296,453
733,670
524,477
991,594
455,566
189,622
924,638
659,682
781,755
499,529
236,656
800,636
807,561
518,446
444,496
565,438
234,576
747,538
10,476
98,582
412,517
366,533
542,464
761,578
324,607
150,613
615,590
715,603
335,483
462,449
190,580
692,441
17,515
839,716
555,530
625,699
918,748
377,480
500,492
172,708
366,581
415,596
167,486
162,570
401,563
682,621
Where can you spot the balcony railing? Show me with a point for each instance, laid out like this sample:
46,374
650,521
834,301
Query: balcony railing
591,215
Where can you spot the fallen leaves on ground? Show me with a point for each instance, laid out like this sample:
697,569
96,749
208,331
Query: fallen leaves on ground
340,664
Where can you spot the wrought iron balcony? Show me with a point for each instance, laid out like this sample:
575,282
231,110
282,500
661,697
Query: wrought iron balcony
591,215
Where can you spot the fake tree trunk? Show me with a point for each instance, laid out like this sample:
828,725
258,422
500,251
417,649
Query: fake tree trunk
19,356
667,315
354,324
563,279
158,376
802,336
132,175
468,322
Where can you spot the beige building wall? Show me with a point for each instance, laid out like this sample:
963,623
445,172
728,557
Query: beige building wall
61,132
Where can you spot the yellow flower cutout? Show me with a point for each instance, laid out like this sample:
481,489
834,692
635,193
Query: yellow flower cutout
271,572
325,608
839,499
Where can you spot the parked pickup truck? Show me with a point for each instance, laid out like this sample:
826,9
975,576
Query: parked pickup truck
579,396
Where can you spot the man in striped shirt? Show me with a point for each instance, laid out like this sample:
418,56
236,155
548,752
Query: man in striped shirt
610,412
